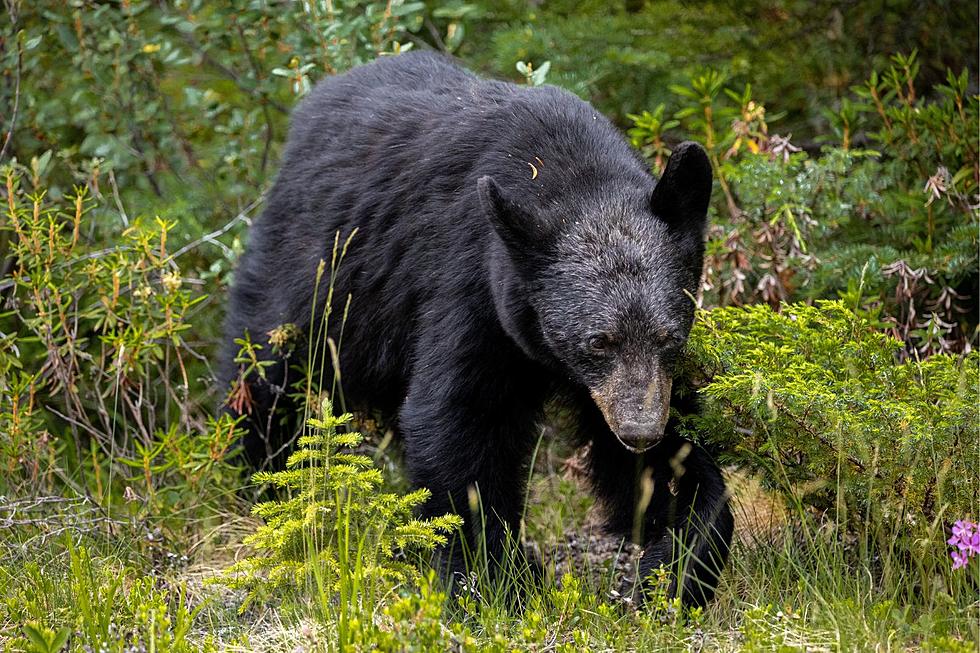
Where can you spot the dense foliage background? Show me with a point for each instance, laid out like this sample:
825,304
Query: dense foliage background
834,351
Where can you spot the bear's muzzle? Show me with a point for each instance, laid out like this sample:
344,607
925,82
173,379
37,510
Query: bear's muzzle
635,404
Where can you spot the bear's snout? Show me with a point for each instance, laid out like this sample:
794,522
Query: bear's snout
635,405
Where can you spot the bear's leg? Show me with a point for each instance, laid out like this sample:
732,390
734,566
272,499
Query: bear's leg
468,438
686,523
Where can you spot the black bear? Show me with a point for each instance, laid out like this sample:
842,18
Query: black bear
510,245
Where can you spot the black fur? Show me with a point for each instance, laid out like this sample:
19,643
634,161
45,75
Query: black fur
509,245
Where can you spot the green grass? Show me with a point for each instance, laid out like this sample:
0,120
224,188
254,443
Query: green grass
794,583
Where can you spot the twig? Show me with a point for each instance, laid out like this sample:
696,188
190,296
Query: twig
263,100
429,25
115,195
229,73
91,430
6,284
54,516
150,176
13,116
210,238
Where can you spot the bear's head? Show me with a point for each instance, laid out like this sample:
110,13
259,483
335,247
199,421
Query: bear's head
606,279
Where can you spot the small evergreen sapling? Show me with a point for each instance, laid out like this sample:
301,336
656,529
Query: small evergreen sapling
335,530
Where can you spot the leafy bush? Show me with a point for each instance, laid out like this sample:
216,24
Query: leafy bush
624,56
814,399
106,392
165,93
414,621
901,223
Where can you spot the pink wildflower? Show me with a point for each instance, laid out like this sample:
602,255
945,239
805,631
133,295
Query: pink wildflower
966,538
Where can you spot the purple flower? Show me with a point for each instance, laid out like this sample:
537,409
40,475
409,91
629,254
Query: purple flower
959,559
963,527
966,538
973,546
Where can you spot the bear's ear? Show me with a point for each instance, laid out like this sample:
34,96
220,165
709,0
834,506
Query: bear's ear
519,228
681,196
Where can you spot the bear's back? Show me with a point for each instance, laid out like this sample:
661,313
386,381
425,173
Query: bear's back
413,70
424,100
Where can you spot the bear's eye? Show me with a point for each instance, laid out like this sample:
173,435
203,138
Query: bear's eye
601,342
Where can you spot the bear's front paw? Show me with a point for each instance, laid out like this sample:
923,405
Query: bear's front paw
654,577
687,566
509,574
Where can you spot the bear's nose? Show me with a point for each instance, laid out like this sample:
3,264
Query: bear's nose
640,435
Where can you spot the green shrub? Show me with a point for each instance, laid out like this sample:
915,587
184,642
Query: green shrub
413,620
815,400
164,94
624,55
97,395
899,222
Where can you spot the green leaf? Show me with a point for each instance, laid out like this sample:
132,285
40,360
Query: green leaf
39,642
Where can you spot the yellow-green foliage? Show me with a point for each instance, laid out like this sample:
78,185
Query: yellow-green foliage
816,399
96,372
335,529
92,604
414,620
